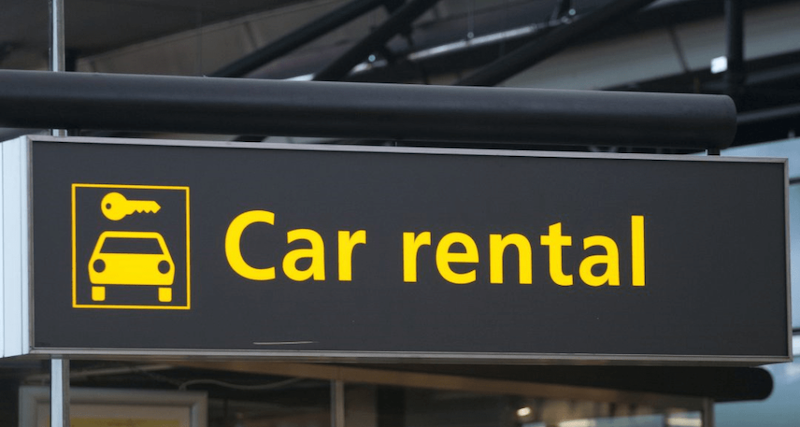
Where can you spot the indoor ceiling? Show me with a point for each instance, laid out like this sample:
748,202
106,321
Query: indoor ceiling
94,26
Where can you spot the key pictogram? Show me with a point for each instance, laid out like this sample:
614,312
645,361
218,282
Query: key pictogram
115,206
130,246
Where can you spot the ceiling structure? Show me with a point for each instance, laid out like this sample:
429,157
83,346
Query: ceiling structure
96,26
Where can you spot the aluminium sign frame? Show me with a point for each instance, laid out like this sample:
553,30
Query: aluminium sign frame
19,297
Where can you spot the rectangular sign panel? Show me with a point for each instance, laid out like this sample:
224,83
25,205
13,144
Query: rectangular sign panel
175,248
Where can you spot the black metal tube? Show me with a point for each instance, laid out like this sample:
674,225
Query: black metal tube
767,114
397,22
542,48
735,74
362,110
297,38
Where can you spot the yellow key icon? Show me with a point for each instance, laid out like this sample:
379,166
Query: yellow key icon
115,206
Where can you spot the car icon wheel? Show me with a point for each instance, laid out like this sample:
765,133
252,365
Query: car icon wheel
165,294
98,293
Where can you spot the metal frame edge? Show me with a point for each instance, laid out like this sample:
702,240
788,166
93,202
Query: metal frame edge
434,357
403,150
787,221
421,357
195,401
3,351
15,256
27,265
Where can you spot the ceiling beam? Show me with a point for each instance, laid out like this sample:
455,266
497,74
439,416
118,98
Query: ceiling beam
298,38
540,49
398,22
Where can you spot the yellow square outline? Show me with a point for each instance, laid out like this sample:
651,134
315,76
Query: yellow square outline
75,304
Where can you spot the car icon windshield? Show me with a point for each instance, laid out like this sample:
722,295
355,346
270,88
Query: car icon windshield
141,245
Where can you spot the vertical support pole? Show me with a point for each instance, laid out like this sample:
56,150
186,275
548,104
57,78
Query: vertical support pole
57,52
337,403
59,392
735,75
708,412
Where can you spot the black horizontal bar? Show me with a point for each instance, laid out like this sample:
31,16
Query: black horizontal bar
760,77
767,114
720,383
38,99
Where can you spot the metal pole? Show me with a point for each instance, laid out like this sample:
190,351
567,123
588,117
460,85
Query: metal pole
708,412
735,75
57,53
59,392
363,110
337,403
56,35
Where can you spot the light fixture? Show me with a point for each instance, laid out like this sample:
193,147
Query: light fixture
684,422
719,65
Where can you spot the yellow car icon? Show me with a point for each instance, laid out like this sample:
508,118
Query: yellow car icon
136,258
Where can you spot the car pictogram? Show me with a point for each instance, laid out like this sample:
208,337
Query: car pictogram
131,258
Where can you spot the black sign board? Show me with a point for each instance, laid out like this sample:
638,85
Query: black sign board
175,248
